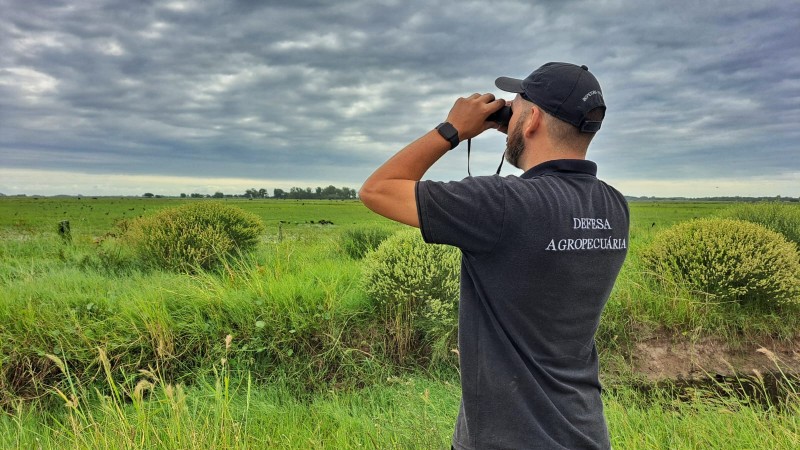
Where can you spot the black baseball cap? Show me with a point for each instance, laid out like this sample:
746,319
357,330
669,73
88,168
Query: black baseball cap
564,90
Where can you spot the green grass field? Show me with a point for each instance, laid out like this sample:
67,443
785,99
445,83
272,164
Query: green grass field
99,352
98,215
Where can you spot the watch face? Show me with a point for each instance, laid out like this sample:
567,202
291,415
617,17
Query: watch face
447,130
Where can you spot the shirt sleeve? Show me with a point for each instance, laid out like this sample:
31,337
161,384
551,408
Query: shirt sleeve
468,214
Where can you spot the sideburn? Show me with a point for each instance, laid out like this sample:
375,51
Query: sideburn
515,146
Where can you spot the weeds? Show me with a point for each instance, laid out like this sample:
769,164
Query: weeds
227,412
358,241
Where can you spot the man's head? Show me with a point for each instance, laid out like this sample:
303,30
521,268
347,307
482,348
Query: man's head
570,102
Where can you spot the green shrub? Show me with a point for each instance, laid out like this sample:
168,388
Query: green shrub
414,286
356,242
193,236
783,218
732,260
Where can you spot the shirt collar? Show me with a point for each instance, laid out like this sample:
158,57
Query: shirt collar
562,165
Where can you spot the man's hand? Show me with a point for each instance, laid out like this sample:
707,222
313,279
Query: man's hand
468,115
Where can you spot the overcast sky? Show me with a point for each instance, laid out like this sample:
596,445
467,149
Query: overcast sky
125,97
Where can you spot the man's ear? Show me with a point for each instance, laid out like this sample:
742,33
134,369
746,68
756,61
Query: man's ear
534,121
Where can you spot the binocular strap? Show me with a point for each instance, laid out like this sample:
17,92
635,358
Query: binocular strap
469,150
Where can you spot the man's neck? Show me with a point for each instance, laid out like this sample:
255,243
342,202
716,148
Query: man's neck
533,158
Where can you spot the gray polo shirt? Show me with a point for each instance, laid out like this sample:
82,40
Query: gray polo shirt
540,254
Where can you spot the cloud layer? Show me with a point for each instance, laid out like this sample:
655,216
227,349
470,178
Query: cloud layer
303,91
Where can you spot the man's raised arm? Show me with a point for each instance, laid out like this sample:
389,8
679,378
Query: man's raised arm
389,191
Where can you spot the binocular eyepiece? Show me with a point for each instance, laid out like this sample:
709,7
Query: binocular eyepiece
502,116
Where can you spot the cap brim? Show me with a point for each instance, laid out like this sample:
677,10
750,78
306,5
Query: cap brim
509,84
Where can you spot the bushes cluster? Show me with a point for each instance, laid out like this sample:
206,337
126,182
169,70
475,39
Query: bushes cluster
414,287
193,236
783,218
731,260
356,242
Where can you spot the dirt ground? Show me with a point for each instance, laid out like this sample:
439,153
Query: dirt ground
666,357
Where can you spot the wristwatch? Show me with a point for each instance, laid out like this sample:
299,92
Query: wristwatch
449,132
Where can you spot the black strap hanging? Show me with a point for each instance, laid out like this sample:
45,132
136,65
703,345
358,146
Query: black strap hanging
469,150
502,158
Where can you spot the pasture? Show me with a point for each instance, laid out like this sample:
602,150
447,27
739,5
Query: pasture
282,348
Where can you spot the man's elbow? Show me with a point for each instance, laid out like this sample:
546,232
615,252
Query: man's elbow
393,199
375,197
367,195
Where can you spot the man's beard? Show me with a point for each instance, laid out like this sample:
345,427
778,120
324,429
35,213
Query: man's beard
515,145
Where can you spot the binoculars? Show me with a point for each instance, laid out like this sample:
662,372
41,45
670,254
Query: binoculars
502,116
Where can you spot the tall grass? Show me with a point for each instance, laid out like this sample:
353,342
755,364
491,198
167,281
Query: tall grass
358,241
295,310
782,218
660,421
225,412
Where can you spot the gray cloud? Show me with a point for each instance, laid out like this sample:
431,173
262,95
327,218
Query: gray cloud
302,90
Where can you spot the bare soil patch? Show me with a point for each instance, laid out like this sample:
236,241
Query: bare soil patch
668,357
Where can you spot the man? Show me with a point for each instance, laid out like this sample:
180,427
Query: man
540,254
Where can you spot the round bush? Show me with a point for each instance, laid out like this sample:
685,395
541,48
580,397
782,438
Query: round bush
732,260
356,242
783,218
193,236
415,288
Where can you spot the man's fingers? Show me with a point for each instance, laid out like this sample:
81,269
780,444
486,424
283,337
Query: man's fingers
486,98
499,103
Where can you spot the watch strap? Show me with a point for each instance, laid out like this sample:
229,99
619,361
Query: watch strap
449,132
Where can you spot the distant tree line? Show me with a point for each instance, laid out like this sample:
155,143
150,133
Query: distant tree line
196,195
327,193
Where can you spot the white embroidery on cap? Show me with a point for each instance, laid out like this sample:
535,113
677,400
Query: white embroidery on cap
591,93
